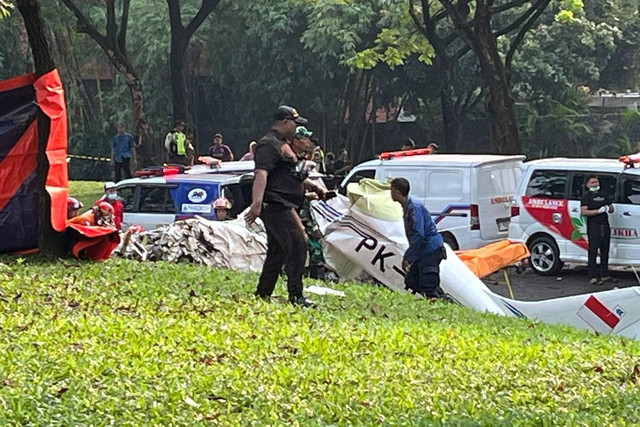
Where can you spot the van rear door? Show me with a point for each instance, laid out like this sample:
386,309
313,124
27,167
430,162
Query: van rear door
495,188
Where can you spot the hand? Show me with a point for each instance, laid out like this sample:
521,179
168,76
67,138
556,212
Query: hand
321,192
610,208
311,196
602,209
254,212
405,265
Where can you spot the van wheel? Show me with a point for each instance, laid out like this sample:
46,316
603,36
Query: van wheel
545,256
450,240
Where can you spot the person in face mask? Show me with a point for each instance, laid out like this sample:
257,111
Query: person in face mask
111,195
596,206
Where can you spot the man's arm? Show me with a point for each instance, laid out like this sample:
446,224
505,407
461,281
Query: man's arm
259,185
310,184
585,211
167,141
415,225
591,212
113,146
231,156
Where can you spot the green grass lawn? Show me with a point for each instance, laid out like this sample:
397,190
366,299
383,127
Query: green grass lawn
122,342
86,191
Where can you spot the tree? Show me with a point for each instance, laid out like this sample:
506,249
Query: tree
114,43
447,54
180,37
478,33
49,241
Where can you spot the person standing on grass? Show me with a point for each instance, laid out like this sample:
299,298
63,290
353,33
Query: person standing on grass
278,191
121,153
426,249
596,205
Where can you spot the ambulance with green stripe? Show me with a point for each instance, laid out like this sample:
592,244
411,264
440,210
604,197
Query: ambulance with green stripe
546,211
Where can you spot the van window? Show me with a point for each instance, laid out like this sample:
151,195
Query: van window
631,191
128,194
364,173
548,183
156,199
239,195
607,183
415,176
445,184
499,182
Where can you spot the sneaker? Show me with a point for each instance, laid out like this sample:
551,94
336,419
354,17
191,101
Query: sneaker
594,281
303,302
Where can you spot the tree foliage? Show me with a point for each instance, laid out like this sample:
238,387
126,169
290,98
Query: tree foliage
6,7
338,61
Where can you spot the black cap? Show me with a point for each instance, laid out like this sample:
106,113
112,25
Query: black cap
285,112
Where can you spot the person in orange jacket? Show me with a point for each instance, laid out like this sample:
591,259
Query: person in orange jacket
101,214
111,196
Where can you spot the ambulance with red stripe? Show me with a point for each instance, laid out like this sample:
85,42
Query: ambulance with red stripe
546,211
468,195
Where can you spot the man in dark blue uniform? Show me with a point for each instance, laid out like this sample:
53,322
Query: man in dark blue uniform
426,250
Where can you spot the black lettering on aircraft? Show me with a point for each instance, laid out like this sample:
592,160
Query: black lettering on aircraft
380,256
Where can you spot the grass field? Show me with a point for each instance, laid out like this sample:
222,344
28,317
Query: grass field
86,191
122,342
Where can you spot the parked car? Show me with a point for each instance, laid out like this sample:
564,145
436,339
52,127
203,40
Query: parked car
155,200
230,168
469,196
546,211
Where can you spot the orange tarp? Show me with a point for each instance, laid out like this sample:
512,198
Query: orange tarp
491,258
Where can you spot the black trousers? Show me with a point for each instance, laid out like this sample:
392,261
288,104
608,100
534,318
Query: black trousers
599,238
287,246
122,169
423,276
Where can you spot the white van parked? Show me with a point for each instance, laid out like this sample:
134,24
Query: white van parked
469,196
546,211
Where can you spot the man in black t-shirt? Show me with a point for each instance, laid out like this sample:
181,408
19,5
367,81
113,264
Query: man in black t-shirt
278,191
596,206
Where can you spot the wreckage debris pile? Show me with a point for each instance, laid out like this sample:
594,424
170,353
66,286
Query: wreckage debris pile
228,244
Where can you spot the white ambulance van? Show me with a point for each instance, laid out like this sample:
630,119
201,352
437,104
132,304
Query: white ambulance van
546,211
469,196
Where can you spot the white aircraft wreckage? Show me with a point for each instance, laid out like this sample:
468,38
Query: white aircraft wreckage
366,232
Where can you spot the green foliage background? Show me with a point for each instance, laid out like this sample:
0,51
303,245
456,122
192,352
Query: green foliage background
319,55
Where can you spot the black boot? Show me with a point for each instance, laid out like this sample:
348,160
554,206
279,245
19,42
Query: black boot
303,302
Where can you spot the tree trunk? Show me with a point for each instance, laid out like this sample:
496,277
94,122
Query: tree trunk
503,125
145,153
180,38
178,87
450,117
83,113
49,241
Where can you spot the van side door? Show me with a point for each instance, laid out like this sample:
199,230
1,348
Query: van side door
128,194
625,221
496,187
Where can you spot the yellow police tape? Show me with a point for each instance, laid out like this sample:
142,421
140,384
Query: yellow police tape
99,159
